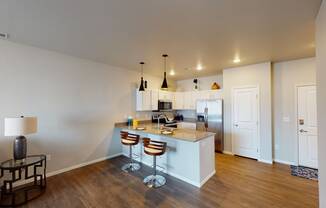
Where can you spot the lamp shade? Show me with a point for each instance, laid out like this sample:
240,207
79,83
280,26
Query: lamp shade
20,126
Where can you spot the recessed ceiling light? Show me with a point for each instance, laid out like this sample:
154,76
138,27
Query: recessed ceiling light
236,60
199,67
172,73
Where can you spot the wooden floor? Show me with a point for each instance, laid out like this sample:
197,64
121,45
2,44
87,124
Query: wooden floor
239,182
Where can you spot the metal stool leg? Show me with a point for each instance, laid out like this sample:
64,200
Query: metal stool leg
154,181
131,166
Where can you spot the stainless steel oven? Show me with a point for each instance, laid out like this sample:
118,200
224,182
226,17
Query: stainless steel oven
164,105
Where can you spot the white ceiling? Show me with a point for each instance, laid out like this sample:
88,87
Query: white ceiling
124,32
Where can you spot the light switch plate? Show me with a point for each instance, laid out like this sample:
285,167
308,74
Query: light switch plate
286,119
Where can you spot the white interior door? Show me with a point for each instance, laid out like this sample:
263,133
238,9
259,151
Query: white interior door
307,126
245,122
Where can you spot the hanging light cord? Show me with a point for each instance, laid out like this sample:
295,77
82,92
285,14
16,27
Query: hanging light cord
165,64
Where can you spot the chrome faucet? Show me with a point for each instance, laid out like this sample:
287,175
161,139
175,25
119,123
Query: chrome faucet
158,120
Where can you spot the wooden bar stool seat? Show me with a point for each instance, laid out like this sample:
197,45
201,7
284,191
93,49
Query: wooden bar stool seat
130,140
154,148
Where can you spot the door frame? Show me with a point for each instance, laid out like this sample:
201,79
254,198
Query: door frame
258,115
296,108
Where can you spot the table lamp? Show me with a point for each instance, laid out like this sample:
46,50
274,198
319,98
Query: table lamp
20,127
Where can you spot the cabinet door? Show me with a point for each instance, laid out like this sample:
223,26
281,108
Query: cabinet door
187,100
154,99
193,100
143,100
203,95
215,94
147,100
200,106
178,101
163,95
139,100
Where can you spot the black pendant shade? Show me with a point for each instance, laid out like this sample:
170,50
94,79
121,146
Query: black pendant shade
141,87
165,83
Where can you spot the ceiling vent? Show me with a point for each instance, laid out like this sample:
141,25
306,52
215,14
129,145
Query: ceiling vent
4,35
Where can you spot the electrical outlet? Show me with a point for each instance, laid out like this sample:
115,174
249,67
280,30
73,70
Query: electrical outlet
48,157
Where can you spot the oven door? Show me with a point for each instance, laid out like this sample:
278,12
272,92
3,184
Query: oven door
164,105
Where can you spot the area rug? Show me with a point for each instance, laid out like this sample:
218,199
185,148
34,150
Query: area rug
304,172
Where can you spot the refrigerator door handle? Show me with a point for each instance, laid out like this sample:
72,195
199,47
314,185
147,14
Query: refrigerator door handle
206,118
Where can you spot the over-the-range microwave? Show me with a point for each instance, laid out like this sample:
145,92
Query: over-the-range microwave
164,105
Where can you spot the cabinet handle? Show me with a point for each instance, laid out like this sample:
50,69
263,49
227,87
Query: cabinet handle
303,131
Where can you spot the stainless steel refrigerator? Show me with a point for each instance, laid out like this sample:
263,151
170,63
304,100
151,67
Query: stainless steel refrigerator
210,118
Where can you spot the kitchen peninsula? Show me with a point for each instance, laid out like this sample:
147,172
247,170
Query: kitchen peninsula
189,157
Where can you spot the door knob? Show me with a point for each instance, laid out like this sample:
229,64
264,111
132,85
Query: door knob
303,131
236,125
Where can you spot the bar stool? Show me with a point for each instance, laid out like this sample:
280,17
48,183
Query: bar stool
154,148
130,140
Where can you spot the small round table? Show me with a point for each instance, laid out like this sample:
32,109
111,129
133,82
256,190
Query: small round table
22,181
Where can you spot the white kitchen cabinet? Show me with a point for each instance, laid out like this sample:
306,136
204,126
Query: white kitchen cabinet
178,103
165,95
203,95
143,100
215,94
210,94
194,98
190,99
146,100
155,95
187,100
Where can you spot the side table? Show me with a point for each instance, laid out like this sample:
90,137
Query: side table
12,176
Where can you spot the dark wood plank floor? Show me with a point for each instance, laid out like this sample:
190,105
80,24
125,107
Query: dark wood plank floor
239,182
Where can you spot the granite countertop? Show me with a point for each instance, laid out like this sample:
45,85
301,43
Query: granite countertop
178,133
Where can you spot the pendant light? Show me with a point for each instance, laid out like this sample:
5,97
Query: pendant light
141,87
165,83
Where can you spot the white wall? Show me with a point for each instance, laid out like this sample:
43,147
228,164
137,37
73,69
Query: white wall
76,101
321,100
205,83
286,76
258,74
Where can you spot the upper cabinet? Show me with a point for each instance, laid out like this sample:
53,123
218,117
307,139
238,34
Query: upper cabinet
165,95
148,100
178,103
187,100
155,95
143,100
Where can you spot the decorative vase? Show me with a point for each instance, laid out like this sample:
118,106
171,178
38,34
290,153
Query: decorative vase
215,86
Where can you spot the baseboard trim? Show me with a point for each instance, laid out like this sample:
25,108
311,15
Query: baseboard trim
82,165
265,161
53,173
228,153
207,178
284,162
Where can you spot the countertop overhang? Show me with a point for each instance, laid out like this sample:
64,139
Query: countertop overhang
179,133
